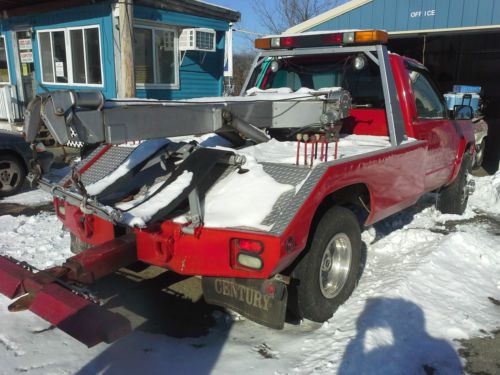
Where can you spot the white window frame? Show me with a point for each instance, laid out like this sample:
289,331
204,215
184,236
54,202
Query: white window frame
153,27
69,56
8,64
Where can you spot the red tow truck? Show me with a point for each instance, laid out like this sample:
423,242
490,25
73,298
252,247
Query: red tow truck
331,132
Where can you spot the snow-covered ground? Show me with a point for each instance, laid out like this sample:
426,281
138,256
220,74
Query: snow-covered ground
427,282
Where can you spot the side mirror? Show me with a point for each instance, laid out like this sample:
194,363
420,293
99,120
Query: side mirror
463,112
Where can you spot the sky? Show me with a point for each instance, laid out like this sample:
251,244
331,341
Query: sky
249,21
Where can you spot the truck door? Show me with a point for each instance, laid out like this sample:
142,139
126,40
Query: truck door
431,123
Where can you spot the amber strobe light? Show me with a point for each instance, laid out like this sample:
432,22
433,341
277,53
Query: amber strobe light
322,39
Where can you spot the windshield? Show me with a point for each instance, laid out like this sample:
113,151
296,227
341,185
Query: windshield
326,71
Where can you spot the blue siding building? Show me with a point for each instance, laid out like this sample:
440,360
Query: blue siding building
408,16
45,47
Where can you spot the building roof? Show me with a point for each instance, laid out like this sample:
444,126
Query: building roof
326,16
11,8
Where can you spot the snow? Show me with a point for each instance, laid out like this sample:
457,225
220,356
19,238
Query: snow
487,195
237,201
253,94
426,283
286,152
31,198
140,214
254,192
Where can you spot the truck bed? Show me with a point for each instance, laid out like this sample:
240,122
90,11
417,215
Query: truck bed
268,193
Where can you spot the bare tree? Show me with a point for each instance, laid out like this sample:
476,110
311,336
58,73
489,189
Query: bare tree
241,66
277,16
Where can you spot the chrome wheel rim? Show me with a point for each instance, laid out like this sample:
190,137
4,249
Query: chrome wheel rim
335,265
10,174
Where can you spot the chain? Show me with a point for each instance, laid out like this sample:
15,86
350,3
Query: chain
78,290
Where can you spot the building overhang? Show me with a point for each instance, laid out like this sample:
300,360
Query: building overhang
442,31
13,8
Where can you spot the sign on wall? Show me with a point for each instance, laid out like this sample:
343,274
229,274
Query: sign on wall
26,57
423,13
25,44
59,69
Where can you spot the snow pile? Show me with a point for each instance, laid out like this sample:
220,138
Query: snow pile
31,198
286,152
38,239
487,194
243,199
286,93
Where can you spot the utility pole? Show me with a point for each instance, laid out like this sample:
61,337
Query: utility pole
126,16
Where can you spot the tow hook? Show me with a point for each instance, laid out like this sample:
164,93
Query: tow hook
470,187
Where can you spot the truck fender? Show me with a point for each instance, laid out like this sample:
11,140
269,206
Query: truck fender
356,195
462,148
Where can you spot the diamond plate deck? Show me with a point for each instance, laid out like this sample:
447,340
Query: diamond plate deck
304,179
106,164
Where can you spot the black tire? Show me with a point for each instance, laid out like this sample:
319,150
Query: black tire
77,245
12,175
312,302
479,155
453,198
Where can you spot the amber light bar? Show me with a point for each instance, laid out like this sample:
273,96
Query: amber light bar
322,40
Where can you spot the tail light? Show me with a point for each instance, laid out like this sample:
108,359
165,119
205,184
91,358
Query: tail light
246,254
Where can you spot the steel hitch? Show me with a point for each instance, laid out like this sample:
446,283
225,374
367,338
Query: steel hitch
56,294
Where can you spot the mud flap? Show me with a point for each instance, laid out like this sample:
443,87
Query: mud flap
263,301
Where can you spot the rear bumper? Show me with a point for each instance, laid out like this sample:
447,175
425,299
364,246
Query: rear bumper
205,253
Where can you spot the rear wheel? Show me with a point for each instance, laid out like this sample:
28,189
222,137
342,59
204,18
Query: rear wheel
12,175
328,272
453,198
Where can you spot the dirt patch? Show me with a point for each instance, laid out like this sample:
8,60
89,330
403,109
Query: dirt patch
482,354
157,301
15,209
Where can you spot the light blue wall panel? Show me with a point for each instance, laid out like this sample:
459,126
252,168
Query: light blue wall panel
366,16
403,9
455,13
441,18
428,17
378,15
484,10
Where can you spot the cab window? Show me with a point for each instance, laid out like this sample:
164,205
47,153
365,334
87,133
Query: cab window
427,100
327,71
